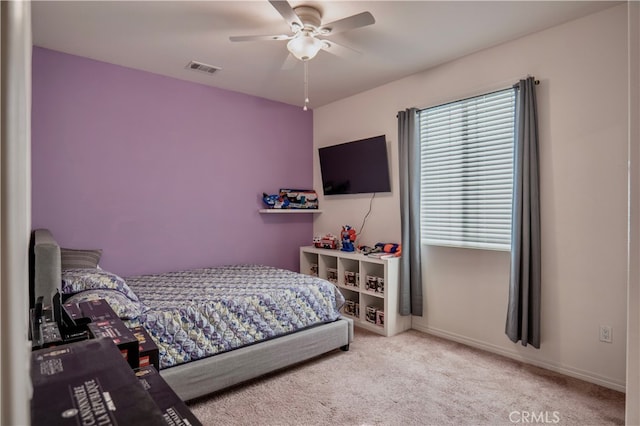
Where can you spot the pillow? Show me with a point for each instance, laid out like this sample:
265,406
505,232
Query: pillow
77,280
74,259
124,307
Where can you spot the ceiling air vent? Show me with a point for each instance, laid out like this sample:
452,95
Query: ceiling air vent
204,68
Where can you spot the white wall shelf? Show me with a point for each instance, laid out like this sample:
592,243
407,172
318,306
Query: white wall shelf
288,211
337,266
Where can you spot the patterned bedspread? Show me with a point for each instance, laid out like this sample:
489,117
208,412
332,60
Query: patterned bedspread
198,313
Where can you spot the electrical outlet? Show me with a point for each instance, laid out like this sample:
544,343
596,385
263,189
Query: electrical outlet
606,333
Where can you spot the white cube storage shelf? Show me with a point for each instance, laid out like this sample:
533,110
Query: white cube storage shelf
369,284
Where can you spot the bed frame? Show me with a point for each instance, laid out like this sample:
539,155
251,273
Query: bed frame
204,376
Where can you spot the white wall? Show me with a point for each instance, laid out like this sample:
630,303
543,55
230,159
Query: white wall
582,106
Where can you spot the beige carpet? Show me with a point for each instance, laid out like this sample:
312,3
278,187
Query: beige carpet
412,379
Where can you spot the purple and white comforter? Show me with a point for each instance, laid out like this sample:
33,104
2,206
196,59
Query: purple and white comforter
199,313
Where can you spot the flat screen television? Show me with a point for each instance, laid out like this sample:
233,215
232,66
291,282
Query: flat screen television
357,167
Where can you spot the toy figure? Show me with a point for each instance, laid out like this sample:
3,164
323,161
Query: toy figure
275,201
348,236
393,250
326,242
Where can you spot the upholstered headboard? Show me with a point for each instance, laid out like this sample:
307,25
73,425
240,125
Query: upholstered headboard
45,269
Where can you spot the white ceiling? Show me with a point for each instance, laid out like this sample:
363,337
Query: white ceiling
408,37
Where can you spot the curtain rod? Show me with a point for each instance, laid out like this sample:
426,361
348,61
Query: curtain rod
515,86
536,82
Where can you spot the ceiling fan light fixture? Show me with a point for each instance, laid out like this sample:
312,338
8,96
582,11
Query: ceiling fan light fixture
304,46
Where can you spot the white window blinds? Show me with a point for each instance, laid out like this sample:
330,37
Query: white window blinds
466,171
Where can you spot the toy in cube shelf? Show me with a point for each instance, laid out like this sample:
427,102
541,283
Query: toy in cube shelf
374,284
332,275
348,236
349,307
371,314
375,316
350,279
371,283
326,242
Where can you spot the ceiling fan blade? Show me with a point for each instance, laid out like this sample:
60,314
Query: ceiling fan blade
339,49
260,37
284,8
349,23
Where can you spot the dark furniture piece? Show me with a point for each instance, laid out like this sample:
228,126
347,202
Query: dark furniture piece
88,382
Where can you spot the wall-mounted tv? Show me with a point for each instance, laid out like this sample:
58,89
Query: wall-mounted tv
357,167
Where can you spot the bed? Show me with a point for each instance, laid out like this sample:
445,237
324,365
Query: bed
233,323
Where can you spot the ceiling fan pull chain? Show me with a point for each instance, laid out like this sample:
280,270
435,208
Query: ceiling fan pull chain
306,85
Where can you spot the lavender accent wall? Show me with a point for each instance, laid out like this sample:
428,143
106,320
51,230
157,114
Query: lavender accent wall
160,173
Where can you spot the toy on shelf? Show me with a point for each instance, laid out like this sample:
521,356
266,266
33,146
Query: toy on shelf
300,198
382,249
275,201
291,199
390,248
326,242
348,236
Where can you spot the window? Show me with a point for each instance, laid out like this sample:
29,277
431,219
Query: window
466,171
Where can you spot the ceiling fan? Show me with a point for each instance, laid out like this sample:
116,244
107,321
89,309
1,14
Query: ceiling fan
307,28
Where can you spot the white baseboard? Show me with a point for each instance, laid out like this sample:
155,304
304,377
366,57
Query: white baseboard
558,368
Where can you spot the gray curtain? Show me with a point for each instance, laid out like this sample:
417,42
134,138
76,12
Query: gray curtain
410,263
523,315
